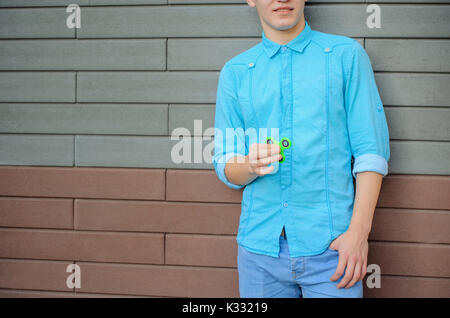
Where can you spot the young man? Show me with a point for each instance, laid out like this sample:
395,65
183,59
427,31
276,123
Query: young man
302,229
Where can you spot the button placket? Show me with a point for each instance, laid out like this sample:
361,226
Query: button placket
286,123
286,129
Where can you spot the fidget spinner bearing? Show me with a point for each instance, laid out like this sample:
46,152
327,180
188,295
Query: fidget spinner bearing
284,143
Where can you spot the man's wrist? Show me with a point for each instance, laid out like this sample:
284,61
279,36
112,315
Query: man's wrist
361,230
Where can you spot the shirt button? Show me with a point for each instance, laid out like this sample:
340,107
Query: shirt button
250,64
285,204
284,48
327,49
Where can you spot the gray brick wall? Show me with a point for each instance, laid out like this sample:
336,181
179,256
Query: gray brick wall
110,94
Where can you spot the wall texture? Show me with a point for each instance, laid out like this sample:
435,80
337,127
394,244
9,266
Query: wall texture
85,122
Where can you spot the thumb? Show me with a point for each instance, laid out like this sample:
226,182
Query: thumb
334,245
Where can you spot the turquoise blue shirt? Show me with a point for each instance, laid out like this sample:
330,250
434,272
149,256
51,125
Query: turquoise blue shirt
319,91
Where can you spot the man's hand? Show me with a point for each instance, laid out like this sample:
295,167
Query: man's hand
353,249
260,156
244,169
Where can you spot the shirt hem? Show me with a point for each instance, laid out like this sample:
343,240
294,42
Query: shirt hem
257,251
293,255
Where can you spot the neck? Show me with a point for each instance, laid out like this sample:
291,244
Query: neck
284,36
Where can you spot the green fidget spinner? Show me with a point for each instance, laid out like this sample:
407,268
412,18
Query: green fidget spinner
285,143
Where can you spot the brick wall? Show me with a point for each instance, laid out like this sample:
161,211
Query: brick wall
85,122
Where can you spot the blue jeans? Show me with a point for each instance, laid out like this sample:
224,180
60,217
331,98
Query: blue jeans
286,277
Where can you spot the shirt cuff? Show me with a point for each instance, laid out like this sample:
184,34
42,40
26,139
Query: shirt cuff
370,162
220,169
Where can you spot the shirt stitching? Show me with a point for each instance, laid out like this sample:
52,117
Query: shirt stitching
327,85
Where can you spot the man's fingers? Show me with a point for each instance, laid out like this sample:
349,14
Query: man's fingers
340,268
363,270
356,275
264,170
349,270
265,161
267,150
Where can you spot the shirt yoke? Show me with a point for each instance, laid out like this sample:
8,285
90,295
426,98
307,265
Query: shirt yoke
341,45
321,39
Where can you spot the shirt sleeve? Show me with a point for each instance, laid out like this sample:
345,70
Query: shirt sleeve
366,120
229,137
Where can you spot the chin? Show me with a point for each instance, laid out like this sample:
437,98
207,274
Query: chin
284,26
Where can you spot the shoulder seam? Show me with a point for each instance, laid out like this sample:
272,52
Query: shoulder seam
352,55
234,79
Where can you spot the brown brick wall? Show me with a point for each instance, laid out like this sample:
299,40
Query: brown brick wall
171,233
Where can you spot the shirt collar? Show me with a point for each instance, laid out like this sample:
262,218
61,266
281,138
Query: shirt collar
298,43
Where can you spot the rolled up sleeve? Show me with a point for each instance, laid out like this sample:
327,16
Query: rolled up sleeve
231,142
366,120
